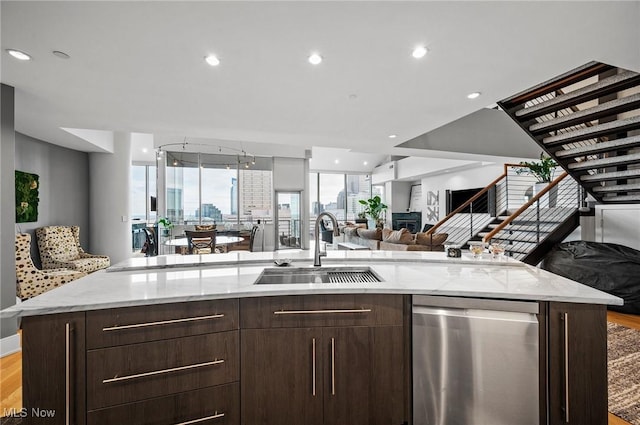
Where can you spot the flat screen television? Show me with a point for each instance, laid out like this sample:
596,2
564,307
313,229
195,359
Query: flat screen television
456,198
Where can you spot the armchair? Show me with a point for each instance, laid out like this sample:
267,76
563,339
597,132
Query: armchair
29,280
60,247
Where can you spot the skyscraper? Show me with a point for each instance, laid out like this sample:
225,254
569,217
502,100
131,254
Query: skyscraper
175,213
256,191
234,196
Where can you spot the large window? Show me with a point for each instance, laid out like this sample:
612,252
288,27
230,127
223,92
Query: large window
338,194
232,191
142,204
143,188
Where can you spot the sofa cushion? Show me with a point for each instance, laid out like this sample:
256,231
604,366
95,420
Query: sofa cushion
402,236
351,231
90,264
388,246
374,234
431,240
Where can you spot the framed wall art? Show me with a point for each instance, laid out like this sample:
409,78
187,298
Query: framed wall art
27,186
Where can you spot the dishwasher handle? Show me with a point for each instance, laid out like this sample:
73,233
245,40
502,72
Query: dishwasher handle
476,304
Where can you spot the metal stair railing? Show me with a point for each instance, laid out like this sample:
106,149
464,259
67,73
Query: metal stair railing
528,226
465,222
511,193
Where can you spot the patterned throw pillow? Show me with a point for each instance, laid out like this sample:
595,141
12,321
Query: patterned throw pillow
402,236
373,234
351,231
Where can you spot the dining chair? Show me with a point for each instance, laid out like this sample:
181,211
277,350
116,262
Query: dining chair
200,241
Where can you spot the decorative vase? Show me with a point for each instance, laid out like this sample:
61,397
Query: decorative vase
549,199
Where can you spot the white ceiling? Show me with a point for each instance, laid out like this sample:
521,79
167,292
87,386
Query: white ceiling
138,67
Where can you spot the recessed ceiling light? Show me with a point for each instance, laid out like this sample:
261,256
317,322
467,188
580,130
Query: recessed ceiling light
392,136
365,163
419,52
145,150
212,60
61,55
473,95
19,55
337,161
315,59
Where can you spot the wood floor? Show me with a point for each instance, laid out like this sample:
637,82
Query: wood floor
11,372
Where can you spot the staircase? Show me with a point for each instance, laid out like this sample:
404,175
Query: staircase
588,120
508,212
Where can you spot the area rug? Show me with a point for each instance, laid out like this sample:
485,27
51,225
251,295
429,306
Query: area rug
624,372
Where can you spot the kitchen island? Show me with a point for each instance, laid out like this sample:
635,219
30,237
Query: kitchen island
159,339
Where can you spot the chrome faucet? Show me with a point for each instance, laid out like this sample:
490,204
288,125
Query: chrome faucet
316,233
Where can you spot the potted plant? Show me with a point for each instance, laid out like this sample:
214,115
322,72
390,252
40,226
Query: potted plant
543,172
374,208
362,217
167,224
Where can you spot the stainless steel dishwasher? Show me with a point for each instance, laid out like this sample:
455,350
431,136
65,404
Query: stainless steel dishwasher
475,362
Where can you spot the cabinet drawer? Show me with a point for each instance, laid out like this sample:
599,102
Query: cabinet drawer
130,325
321,310
208,406
140,371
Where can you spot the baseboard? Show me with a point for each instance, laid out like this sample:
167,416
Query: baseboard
9,345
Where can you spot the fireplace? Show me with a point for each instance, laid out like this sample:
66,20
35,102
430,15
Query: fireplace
412,221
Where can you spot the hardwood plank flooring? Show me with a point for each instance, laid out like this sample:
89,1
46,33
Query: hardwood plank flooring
11,371
11,383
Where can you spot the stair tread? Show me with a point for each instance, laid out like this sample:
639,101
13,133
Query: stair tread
608,146
570,77
617,188
604,109
622,198
526,228
610,175
606,162
580,95
528,240
594,131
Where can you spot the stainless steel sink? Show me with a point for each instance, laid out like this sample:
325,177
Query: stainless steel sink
289,275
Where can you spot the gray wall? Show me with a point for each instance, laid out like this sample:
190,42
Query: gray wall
64,186
7,211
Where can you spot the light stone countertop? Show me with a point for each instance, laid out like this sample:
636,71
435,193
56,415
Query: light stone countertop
178,278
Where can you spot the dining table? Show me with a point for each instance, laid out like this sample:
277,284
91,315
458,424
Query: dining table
222,242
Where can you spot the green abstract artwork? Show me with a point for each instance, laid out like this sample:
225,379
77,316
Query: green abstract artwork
27,185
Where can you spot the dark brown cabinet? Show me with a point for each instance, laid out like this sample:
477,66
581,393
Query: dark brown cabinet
53,369
313,360
577,364
161,364
347,366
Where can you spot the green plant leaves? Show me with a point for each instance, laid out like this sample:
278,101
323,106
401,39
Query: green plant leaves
27,185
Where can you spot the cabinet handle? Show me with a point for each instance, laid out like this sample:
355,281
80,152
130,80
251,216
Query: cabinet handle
362,310
67,372
565,317
163,322
195,421
333,366
313,360
159,372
